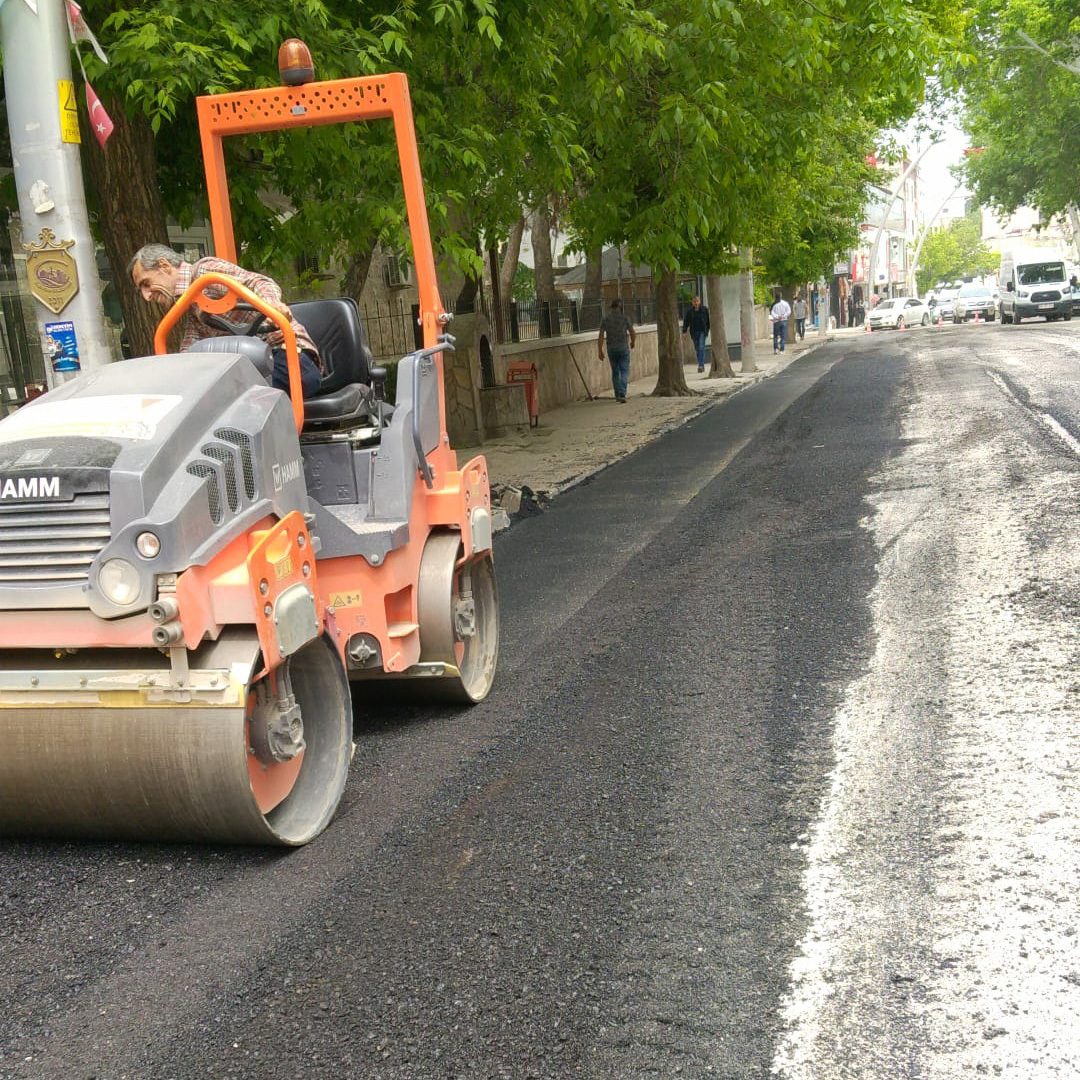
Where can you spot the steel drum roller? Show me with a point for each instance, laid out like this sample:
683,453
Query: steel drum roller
156,770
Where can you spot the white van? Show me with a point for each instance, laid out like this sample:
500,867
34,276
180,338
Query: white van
1034,283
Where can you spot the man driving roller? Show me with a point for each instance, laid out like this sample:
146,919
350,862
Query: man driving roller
161,275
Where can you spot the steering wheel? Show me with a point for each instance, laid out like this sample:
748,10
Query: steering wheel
252,329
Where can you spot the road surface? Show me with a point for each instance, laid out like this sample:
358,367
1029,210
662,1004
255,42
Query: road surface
781,777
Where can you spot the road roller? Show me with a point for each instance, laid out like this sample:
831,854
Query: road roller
200,574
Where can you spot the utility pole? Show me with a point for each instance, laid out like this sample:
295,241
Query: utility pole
926,232
872,272
43,120
746,310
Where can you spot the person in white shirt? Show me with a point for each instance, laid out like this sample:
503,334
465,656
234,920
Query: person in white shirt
779,313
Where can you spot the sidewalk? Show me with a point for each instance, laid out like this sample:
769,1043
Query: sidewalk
578,440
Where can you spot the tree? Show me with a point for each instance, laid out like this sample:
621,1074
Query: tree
720,366
488,134
1018,104
956,251
697,116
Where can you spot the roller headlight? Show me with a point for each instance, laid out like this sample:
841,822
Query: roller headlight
148,545
119,581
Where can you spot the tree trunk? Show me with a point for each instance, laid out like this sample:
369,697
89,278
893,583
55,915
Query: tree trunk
592,302
671,379
542,263
746,309
357,271
510,259
131,212
720,368
470,288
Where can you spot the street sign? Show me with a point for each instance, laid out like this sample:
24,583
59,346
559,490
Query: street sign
69,111
50,266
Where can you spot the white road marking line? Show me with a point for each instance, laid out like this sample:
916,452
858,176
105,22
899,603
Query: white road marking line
1044,418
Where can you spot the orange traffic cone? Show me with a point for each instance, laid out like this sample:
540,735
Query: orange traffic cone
866,326
977,319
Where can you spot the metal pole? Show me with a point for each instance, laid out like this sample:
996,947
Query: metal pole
926,232
48,177
872,272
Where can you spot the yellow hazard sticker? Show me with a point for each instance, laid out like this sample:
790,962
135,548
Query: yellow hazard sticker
283,568
69,111
345,599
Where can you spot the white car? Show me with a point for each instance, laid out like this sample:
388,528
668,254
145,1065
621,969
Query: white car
898,312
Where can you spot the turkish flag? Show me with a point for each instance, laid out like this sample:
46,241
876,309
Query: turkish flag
100,122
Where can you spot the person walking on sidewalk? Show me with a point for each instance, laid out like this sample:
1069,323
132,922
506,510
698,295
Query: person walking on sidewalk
779,313
617,330
696,323
799,311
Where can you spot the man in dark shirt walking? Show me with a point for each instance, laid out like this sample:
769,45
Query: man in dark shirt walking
616,328
696,323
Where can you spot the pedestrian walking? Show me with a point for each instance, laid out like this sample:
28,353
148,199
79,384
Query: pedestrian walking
779,313
618,333
696,324
799,311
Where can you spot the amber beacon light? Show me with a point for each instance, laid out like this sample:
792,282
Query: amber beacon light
294,63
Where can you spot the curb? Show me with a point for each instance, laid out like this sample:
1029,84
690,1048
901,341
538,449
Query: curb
534,503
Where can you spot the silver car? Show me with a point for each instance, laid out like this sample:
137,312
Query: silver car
975,300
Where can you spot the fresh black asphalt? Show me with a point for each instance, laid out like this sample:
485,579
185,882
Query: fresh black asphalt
595,873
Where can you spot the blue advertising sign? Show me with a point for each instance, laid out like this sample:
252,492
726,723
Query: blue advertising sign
62,346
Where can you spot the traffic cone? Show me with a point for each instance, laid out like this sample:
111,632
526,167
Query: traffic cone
977,319
866,326
902,326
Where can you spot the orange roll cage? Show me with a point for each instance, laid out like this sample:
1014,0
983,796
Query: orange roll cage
194,296
279,108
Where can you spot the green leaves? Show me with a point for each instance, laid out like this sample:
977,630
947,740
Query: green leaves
1019,104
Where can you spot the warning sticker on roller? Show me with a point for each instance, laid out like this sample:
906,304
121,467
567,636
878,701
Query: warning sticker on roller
118,416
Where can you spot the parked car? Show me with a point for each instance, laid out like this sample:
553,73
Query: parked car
946,303
974,300
898,312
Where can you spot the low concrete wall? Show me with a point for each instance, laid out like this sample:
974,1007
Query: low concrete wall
566,365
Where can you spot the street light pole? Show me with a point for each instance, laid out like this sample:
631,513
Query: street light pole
926,232
40,98
872,271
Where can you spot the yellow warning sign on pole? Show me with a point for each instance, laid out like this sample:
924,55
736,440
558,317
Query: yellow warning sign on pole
69,111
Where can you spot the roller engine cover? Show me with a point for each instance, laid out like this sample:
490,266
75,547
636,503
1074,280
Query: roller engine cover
194,448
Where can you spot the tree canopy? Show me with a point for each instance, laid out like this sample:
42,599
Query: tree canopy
954,252
1019,104
682,128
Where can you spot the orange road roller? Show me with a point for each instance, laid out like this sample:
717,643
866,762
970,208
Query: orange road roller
198,572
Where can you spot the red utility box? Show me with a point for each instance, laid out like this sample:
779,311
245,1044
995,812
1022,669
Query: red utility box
524,372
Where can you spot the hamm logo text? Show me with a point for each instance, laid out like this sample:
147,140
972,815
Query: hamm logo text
31,487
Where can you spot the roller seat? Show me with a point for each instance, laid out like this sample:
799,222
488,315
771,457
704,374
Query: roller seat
345,396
